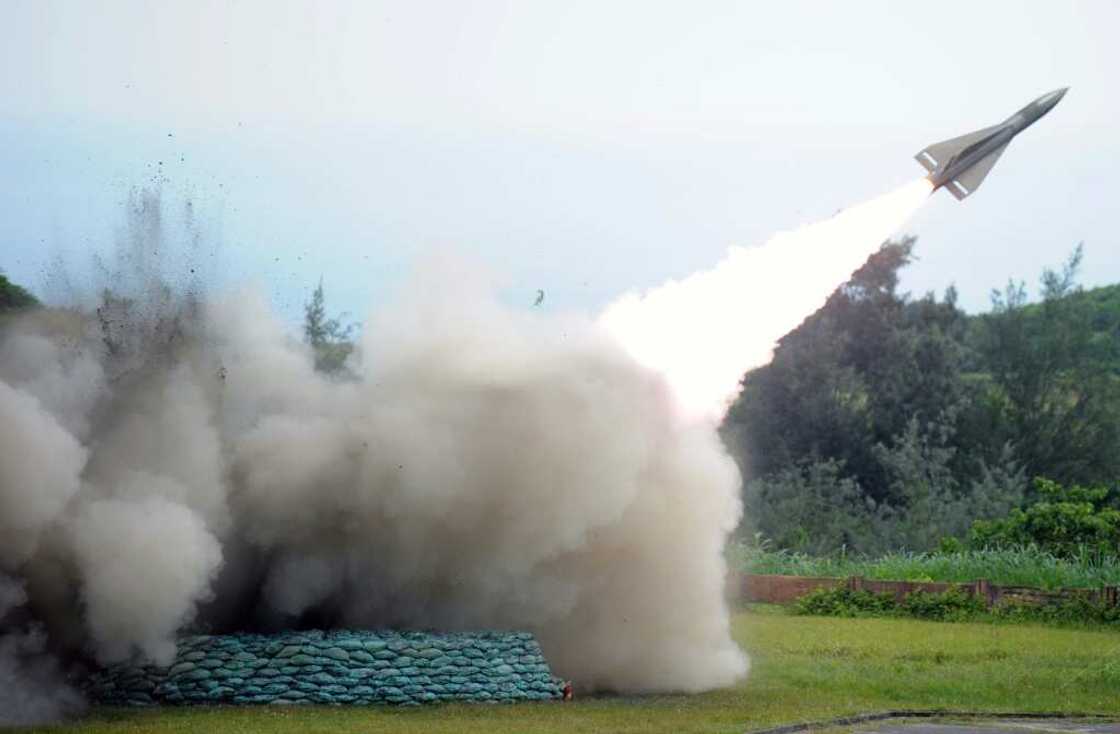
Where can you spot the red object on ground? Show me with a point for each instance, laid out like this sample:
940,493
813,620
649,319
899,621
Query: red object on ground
567,691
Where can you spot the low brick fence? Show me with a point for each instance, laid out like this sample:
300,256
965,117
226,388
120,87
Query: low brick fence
773,589
343,667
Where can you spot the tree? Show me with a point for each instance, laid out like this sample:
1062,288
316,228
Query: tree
14,297
328,337
1052,390
812,507
851,377
1065,521
864,429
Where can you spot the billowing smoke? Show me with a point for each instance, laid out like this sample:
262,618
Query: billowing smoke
33,687
174,462
704,332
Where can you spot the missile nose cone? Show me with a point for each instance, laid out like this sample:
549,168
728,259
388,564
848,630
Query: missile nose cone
1046,102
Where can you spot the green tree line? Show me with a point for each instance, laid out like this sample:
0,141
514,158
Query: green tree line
890,422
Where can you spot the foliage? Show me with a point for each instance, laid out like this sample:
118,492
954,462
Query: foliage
930,501
885,422
811,507
814,508
953,605
1066,521
1026,566
802,668
947,606
14,297
845,602
331,340
852,376
1052,386
1076,611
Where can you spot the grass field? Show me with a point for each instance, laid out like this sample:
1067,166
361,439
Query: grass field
803,668
1017,567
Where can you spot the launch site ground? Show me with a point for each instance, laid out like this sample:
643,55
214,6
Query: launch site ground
802,669
949,725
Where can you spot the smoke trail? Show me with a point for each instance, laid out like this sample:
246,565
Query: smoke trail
704,332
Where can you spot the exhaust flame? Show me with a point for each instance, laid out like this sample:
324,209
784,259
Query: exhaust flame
691,330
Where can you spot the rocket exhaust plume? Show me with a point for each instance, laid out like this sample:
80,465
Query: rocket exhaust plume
705,331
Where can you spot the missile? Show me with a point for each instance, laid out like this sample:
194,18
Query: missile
961,164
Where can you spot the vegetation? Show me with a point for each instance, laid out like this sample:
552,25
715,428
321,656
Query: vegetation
329,337
1021,566
802,668
948,606
1065,521
885,422
953,606
14,297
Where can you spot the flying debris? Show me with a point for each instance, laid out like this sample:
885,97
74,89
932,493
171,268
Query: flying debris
960,164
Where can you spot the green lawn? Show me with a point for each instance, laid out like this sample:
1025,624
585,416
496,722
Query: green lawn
803,668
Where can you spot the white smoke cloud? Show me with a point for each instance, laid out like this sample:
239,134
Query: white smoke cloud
494,468
40,463
175,461
485,468
65,378
145,565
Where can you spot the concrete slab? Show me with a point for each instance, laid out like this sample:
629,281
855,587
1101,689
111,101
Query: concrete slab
990,726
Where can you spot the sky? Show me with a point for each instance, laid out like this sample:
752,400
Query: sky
581,148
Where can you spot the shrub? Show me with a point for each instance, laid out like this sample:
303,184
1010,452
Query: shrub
844,602
949,606
949,546
1076,610
812,507
954,605
1066,521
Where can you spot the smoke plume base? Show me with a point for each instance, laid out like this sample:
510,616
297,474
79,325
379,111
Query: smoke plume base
181,466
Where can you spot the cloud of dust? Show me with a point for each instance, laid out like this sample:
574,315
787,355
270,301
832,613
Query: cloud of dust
172,461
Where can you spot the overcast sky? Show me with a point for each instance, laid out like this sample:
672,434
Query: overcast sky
584,148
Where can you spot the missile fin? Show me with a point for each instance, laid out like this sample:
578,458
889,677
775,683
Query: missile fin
974,176
927,161
946,149
957,190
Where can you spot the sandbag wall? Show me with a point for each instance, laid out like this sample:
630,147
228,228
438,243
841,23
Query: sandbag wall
341,667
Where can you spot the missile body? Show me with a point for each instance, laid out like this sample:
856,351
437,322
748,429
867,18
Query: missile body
960,164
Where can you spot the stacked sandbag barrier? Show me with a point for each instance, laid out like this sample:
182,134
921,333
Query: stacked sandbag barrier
342,667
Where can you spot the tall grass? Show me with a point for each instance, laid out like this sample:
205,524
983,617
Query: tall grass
1013,567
